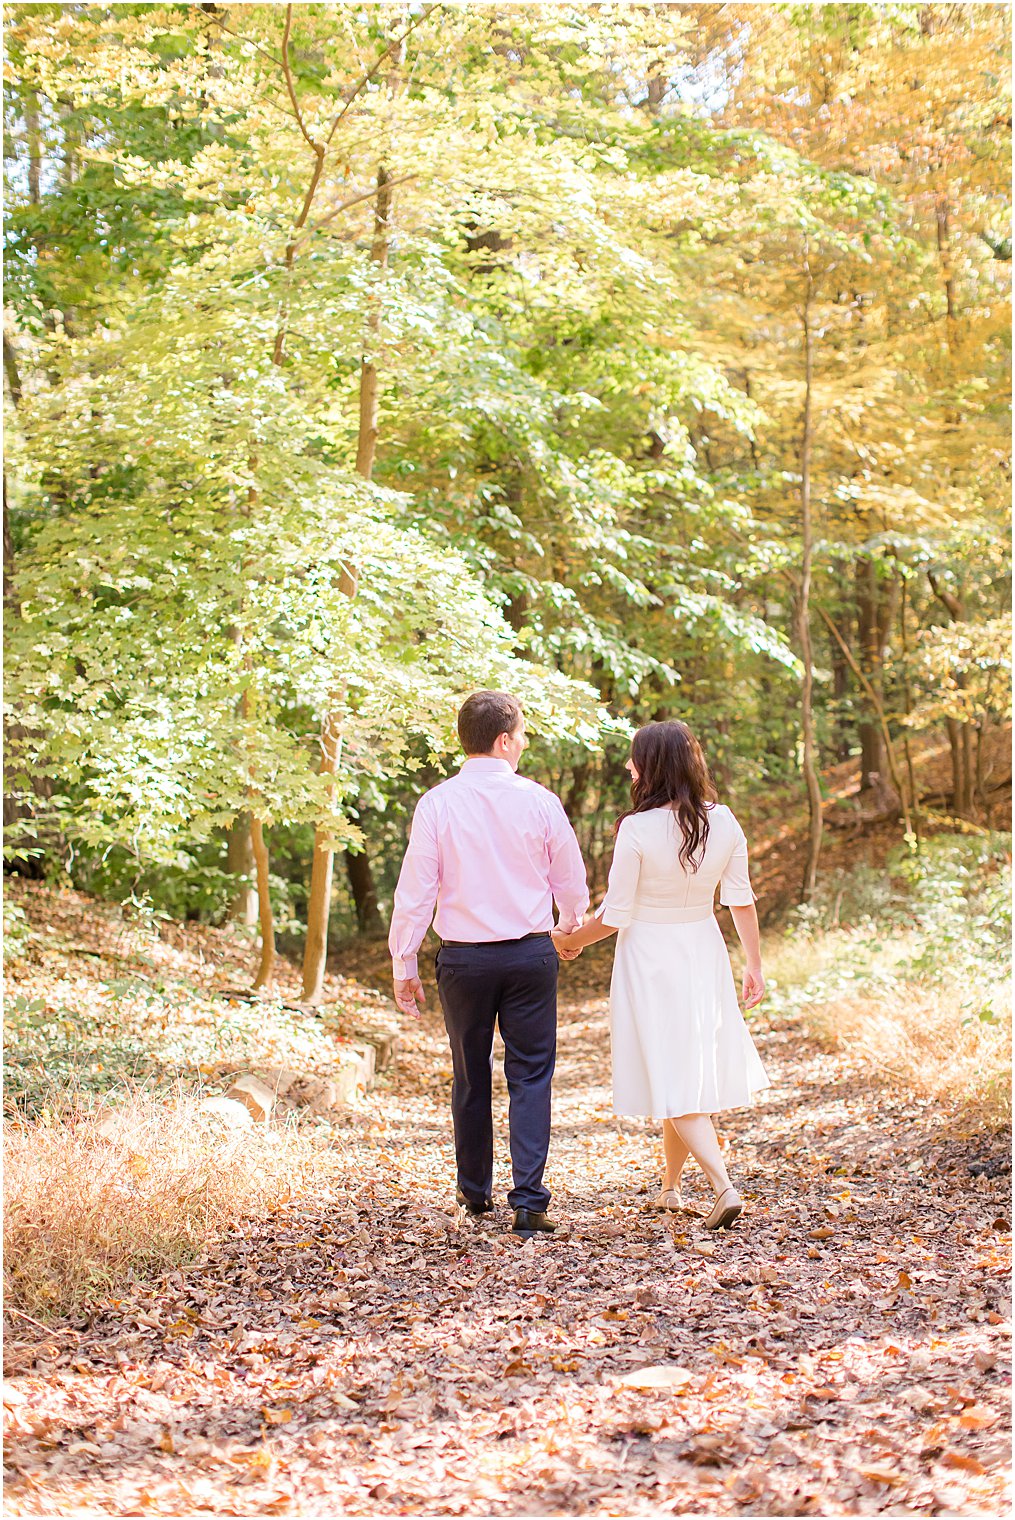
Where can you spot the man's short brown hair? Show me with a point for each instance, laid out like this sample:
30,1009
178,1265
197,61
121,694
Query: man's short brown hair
484,716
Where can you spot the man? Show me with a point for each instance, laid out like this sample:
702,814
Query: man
492,850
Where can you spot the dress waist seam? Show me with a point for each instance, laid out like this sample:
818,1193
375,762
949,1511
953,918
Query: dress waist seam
647,915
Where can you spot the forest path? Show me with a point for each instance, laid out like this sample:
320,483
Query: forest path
374,1352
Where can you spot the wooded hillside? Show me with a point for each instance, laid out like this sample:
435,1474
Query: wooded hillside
649,361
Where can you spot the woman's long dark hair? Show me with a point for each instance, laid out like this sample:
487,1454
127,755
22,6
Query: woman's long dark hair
673,773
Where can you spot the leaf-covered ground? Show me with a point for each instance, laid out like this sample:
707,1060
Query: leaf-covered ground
844,1350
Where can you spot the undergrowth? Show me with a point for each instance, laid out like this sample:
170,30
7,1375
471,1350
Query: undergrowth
909,969
93,1204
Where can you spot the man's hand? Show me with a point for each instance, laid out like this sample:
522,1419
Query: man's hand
560,938
409,995
754,987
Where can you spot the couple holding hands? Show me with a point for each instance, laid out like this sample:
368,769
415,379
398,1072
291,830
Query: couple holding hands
491,852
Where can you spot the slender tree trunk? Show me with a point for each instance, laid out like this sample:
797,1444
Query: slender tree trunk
980,787
260,849
875,602
907,707
315,951
240,862
953,728
319,908
966,806
960,736
840,679
804,605
364,892
34,135
878,707
266,969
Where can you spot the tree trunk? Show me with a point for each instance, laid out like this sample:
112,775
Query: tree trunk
266,969
34,135
980,783
364,892
240,862
315,951
319,908
804,606
907,707
871,747
960,735
840,679
878,706
966,806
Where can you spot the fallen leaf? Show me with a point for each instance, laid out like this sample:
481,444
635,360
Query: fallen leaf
978,1418
888,1475
959,1459
664,1375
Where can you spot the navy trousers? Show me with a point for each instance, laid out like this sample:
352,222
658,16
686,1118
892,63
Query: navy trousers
513,982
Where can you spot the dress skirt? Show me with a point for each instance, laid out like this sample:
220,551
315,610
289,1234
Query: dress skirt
680,1044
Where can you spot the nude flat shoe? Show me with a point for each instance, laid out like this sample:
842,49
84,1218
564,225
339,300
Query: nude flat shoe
669,1198
728,1206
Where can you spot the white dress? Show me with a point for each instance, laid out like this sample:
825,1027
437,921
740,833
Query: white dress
680,1044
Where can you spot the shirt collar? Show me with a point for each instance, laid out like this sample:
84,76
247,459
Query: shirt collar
480,765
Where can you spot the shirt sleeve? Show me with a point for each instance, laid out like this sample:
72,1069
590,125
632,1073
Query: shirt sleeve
617,908
567,869
735,887
415,894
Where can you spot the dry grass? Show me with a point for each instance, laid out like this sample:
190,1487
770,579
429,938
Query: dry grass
97,1201
925,1042
941,1037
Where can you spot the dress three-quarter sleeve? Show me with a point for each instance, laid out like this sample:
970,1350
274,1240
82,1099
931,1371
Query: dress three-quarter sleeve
735,886
618,905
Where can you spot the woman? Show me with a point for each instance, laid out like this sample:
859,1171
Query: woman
681,1049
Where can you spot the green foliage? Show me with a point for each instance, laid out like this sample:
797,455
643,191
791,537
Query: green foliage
149,1031
940,915
584,321
16,931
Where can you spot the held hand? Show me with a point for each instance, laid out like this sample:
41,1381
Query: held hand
754,987
560,944
409,995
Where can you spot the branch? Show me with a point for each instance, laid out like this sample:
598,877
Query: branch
396,43
365,195
289,80
950,600
11,371
247,40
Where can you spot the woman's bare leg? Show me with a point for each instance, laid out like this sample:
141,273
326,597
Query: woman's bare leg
676,1153
697,1133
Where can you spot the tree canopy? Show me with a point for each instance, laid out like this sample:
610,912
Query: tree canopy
356,357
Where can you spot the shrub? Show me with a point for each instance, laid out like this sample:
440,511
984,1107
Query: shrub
910,971
96,1201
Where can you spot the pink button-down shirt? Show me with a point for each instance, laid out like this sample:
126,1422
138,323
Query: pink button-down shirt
492,851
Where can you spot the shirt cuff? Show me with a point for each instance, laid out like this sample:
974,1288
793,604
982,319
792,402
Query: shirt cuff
572,918
404,969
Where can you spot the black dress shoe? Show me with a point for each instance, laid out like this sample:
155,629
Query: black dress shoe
473,1208
529,1222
